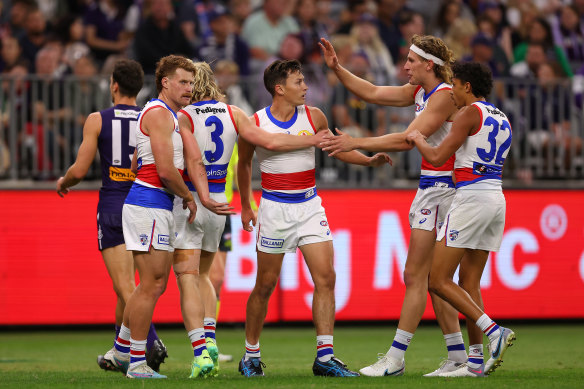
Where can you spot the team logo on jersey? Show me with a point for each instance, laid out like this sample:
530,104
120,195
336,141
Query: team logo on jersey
419,107
309,193
163,239
426,212
304,133
121,174
127,114
452,235
272,243
440,225
324,223
143,239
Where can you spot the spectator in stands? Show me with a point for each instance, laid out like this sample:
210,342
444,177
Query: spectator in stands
494,11
352,114
568,33
387,15
265,29
483,50
311,29
240,10
34,37
159,36
71,31
19,11
526,13
14,90
540,32
410,23
449,12
354,10
548,113
366,37
534,57
104,29
223,42
193,20
11,54
459,37
227,75
84,92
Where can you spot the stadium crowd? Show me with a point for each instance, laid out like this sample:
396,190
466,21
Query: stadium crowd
537,46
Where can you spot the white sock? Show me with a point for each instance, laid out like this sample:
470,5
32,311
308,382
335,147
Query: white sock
324,347
455,346
400,344
252,350
489,327
137,353
475,356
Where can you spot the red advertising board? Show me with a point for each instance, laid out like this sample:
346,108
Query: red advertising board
52,273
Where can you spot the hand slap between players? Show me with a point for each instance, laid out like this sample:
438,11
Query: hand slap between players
337,144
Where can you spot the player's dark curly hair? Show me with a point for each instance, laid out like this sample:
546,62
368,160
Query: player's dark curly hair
478,75
129,76
278,72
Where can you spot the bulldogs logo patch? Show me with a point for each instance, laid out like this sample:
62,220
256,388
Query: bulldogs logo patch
452,235
143,239
425,212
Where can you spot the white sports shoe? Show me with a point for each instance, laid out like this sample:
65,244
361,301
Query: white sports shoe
225,357
497,348
446,366
143,371
386,365
465,371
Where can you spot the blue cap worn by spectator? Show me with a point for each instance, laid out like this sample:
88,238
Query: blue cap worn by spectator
482,39
367,18
217,12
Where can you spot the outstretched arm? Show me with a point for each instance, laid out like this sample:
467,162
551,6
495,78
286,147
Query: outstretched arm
85,155
467,121
396,96
440,110
273,142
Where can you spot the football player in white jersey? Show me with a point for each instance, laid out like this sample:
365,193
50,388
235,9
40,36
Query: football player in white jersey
480,138
290,215
429,73
215,126
148,223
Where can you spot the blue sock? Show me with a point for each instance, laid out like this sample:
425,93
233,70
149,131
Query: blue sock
152,336
117,328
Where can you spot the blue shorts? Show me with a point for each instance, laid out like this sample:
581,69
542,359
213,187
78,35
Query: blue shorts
109,225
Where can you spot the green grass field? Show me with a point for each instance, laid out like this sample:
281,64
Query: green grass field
544,356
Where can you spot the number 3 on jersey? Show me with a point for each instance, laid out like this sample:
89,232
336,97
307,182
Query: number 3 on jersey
501,154
213,156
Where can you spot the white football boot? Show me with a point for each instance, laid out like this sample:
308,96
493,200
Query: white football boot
446,366
385,366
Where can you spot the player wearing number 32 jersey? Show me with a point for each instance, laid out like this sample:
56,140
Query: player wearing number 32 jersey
480,138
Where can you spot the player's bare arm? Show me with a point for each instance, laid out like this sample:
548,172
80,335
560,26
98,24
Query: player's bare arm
245,153
440,108
273,142
158,124
196,168
354,157
85,155
396,96
467,121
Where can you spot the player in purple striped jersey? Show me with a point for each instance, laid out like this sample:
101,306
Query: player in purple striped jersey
111,131
480,138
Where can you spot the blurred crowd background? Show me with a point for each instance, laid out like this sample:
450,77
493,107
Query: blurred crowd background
56,58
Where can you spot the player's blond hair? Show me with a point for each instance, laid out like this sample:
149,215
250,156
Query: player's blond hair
205,83
435,46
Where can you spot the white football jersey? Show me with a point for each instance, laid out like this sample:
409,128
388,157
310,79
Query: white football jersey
479,161
216,133
431,176
287,175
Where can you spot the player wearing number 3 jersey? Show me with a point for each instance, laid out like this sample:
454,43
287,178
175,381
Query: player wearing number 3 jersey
215,126
480,137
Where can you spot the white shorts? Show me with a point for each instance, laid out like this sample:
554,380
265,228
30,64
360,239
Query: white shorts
429,208
475,220
283,227
205,232
145,227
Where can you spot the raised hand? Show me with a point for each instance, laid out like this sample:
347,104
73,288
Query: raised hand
330,56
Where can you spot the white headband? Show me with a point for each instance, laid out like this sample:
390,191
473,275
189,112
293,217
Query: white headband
427,56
